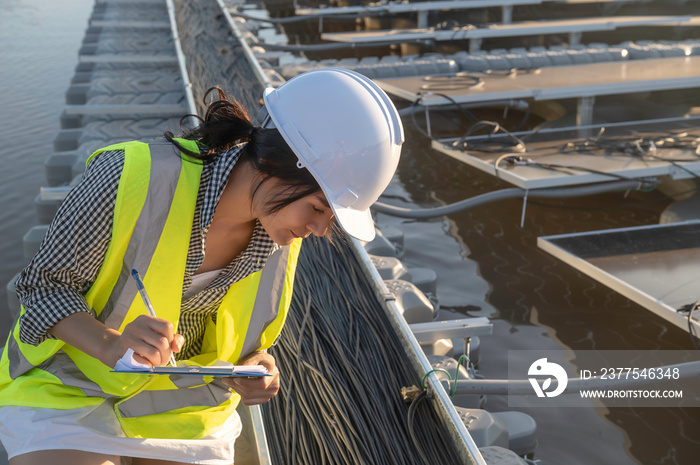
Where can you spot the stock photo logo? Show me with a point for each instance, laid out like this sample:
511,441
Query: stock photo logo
542,367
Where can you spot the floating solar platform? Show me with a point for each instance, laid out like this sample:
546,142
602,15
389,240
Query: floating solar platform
544,158
581,155
656,266
556,82
573,27
424,8
421,8
402,6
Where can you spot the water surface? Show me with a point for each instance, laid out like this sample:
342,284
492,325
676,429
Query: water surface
39,44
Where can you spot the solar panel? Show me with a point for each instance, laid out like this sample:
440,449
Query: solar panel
656,266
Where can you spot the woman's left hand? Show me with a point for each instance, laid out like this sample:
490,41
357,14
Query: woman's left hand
254,391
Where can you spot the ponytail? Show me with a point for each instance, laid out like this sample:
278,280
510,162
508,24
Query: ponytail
226,123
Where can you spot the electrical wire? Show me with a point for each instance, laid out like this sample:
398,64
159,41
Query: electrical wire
410,422
478,124
417,102
517,144
641,147
691,327
452,378
519,160
342,367
463,81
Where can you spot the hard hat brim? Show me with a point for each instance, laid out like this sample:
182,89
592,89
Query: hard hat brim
357,223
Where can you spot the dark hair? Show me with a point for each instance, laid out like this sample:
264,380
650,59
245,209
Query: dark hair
226,124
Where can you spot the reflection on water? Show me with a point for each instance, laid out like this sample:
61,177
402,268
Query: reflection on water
487,264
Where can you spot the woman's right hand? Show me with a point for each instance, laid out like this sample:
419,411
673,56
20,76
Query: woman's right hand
152,340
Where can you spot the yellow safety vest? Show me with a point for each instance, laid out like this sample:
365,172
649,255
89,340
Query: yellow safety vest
153,217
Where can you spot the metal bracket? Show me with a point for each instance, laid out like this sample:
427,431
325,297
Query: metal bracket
451,329
507,17
423,19
474,45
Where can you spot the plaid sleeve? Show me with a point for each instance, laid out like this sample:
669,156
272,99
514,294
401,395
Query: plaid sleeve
52,286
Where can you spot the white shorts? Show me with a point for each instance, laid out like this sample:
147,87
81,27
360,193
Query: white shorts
96,429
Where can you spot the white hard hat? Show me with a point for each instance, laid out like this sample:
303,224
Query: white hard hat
346,131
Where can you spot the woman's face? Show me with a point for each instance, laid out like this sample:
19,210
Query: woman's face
310,214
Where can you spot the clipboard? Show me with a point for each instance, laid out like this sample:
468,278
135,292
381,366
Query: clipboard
236,371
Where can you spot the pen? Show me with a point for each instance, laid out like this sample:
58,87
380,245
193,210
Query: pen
147,302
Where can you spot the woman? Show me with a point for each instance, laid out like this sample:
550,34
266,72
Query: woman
213,223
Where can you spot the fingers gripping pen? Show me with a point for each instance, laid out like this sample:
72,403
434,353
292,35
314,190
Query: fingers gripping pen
147,302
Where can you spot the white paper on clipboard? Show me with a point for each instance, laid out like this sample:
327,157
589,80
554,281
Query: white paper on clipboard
220,369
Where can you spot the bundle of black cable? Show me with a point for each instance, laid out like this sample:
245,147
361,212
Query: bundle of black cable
342,367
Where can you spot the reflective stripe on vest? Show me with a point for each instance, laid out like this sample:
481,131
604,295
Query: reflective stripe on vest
18,364
265,311
59,365
206,395
165,165
267,300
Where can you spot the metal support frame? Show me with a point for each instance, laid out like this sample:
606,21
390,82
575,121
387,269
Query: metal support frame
451,329
263,452
475,45
572,27
584,115
423,19
507,17
427,122
575,38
